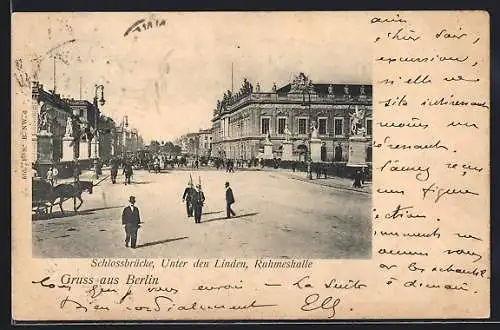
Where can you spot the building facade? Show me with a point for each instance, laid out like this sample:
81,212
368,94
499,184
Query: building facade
197,144
243,122
67,129
50,115
205,142
128,139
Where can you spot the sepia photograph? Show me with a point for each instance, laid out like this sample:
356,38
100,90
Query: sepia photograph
250,166
159,137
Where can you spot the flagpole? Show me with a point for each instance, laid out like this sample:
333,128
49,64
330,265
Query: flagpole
232,77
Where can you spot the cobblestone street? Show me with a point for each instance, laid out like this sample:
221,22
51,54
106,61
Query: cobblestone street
278,215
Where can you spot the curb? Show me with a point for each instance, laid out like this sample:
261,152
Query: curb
332,186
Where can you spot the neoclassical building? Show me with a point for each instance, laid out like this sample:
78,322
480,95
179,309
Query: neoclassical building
243,122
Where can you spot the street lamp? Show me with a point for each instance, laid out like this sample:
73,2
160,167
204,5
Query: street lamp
97,100
309,135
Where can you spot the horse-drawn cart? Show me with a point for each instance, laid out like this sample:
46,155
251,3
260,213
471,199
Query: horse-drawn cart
44,195
41,196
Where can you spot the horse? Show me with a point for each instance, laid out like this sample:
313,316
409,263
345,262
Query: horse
72,190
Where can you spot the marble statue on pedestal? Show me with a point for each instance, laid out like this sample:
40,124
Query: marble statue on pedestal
268,138
330,90
69,127
314,131
357,119
43,121
257,88
287,133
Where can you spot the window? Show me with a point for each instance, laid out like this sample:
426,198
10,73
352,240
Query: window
264,125
368,126
281,125
302,125
338,126
322,126
81,112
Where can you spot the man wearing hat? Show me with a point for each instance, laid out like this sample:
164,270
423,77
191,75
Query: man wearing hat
186,197
197,200
131,219
229,201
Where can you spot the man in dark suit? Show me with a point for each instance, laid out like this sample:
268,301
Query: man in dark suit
229,201
186,197
131,219
197,199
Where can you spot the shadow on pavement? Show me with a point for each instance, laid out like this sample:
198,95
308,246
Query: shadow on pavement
161,242
105,208
216,212
235,217
67,213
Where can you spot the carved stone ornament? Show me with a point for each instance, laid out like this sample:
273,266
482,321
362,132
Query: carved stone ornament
301,83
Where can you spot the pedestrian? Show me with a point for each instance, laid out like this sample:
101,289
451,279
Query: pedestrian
49,176
128,171
229,201
357,179
114,171
325,171
363,175
76,172
294,165
186,197
131,219
197,199
55,174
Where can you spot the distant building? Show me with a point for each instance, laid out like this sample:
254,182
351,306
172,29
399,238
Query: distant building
196,144
205,142
128,139
242,122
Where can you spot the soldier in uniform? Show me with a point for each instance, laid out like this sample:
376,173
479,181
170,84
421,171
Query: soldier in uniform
186,197
197,199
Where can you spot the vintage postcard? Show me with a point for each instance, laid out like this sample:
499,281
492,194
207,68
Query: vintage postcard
250,165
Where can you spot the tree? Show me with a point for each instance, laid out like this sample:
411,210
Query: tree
154,146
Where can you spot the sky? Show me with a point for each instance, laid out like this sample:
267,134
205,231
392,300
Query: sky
167,79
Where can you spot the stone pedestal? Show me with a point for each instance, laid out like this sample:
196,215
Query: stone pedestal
287,150
268,150
315,145
357,151
45,148
68,152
